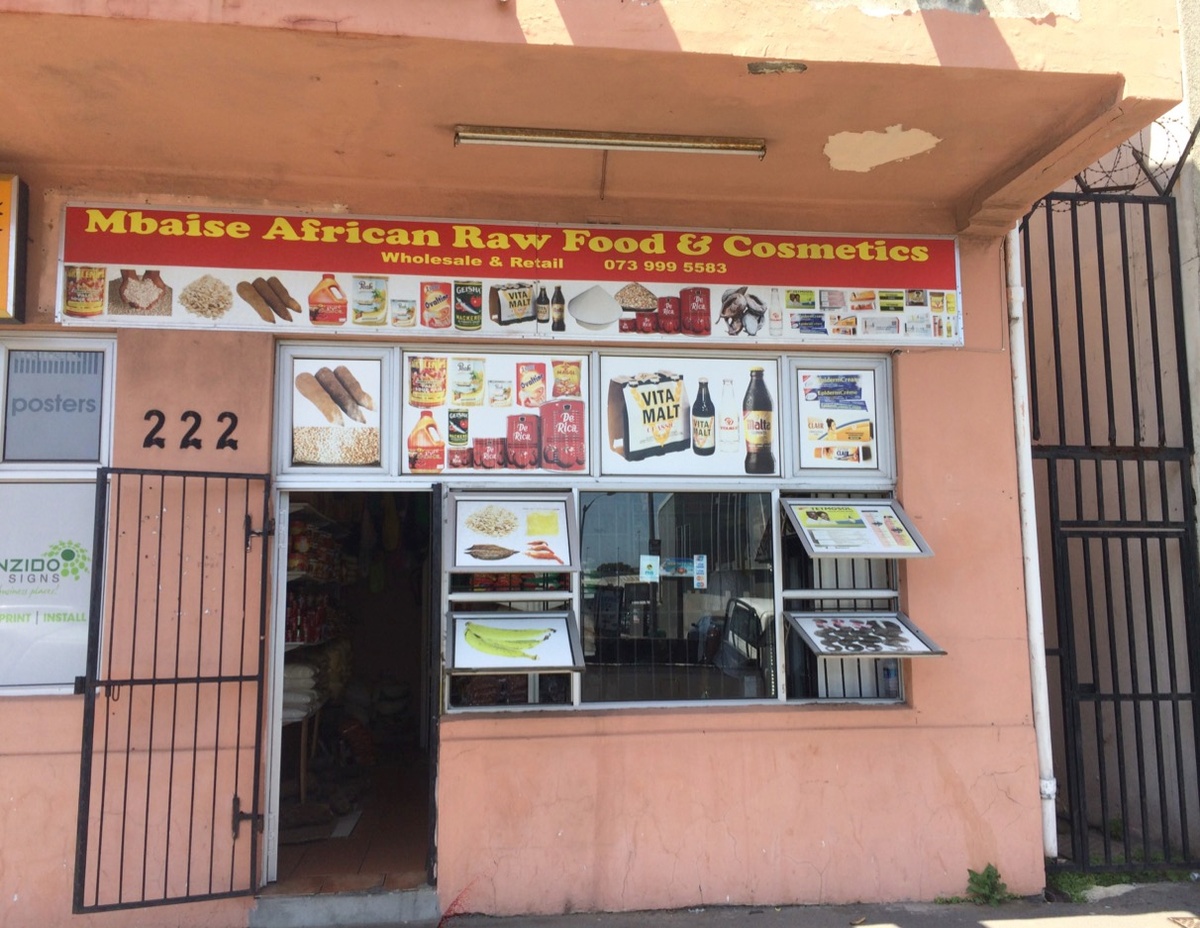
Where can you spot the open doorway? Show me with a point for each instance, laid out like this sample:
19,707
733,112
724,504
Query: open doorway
354,770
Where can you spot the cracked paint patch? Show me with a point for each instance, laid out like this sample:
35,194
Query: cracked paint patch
862,151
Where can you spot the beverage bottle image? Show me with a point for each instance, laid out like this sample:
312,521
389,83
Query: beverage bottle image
758,425
327,303
558,309
775,314
704,421
541,306
426,450
729,437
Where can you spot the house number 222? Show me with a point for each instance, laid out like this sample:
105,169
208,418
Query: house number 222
193,421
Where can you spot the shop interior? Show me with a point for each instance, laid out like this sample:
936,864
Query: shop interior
354,772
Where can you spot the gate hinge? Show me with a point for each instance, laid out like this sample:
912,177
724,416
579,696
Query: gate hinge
239,816
251,534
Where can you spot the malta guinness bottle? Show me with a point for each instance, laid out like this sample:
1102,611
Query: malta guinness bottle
704,421
758,425
558,308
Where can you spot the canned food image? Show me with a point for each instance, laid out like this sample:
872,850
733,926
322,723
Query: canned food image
668,314
436,304
457,426
466,381
459,456
84,294
531,383
694,312
488,453
404,313
523,442
426,381
468,305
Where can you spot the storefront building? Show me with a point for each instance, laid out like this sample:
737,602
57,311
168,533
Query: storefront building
519,458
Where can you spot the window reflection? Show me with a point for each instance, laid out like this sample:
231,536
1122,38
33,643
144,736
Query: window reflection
679,627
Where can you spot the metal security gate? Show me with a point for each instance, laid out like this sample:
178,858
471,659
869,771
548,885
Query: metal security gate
169,784
1112,436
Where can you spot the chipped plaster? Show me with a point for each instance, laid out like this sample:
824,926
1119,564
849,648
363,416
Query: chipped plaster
862,151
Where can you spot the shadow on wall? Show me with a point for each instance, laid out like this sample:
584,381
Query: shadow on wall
594,24
960,42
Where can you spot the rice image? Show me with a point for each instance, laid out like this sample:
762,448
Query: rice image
492,520
208,297
313,444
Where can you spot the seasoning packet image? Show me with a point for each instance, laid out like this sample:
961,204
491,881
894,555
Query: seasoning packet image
567,377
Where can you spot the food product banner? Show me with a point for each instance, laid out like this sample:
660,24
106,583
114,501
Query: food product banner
412,278
488,413
45,582
702,416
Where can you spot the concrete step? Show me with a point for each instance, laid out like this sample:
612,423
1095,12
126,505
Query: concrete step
348,910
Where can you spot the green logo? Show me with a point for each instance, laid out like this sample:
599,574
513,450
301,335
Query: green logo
72,557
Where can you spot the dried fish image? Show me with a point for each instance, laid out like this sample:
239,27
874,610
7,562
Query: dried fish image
490,552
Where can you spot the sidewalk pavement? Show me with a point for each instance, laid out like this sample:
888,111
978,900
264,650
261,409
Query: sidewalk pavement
1149,905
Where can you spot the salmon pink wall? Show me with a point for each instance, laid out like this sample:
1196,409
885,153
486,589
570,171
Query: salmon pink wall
798,804
39,766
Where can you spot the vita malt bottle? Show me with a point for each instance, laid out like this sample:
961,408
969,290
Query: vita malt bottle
704,421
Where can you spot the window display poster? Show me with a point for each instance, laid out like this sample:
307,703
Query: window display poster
863,528
487,642
508,533
693,416
335,411
45,582
838,419
495,414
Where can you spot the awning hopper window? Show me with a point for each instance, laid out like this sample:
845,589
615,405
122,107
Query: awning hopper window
874,528
876,634
513,642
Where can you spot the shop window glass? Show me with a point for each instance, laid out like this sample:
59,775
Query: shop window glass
678,596
53,406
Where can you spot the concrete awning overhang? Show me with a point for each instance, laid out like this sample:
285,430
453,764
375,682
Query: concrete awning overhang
927,122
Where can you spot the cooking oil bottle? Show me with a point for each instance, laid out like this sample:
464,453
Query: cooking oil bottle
327,303
426,449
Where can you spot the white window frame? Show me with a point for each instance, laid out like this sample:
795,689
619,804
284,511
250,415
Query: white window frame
60,470
389,408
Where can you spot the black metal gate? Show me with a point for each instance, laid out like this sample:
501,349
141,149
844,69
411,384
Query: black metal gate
1112,447
169,782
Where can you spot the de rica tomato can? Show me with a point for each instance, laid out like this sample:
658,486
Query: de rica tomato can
564,430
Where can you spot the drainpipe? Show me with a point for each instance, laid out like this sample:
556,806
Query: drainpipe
1047,785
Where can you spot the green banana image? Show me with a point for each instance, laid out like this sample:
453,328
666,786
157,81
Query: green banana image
496,648
513,635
